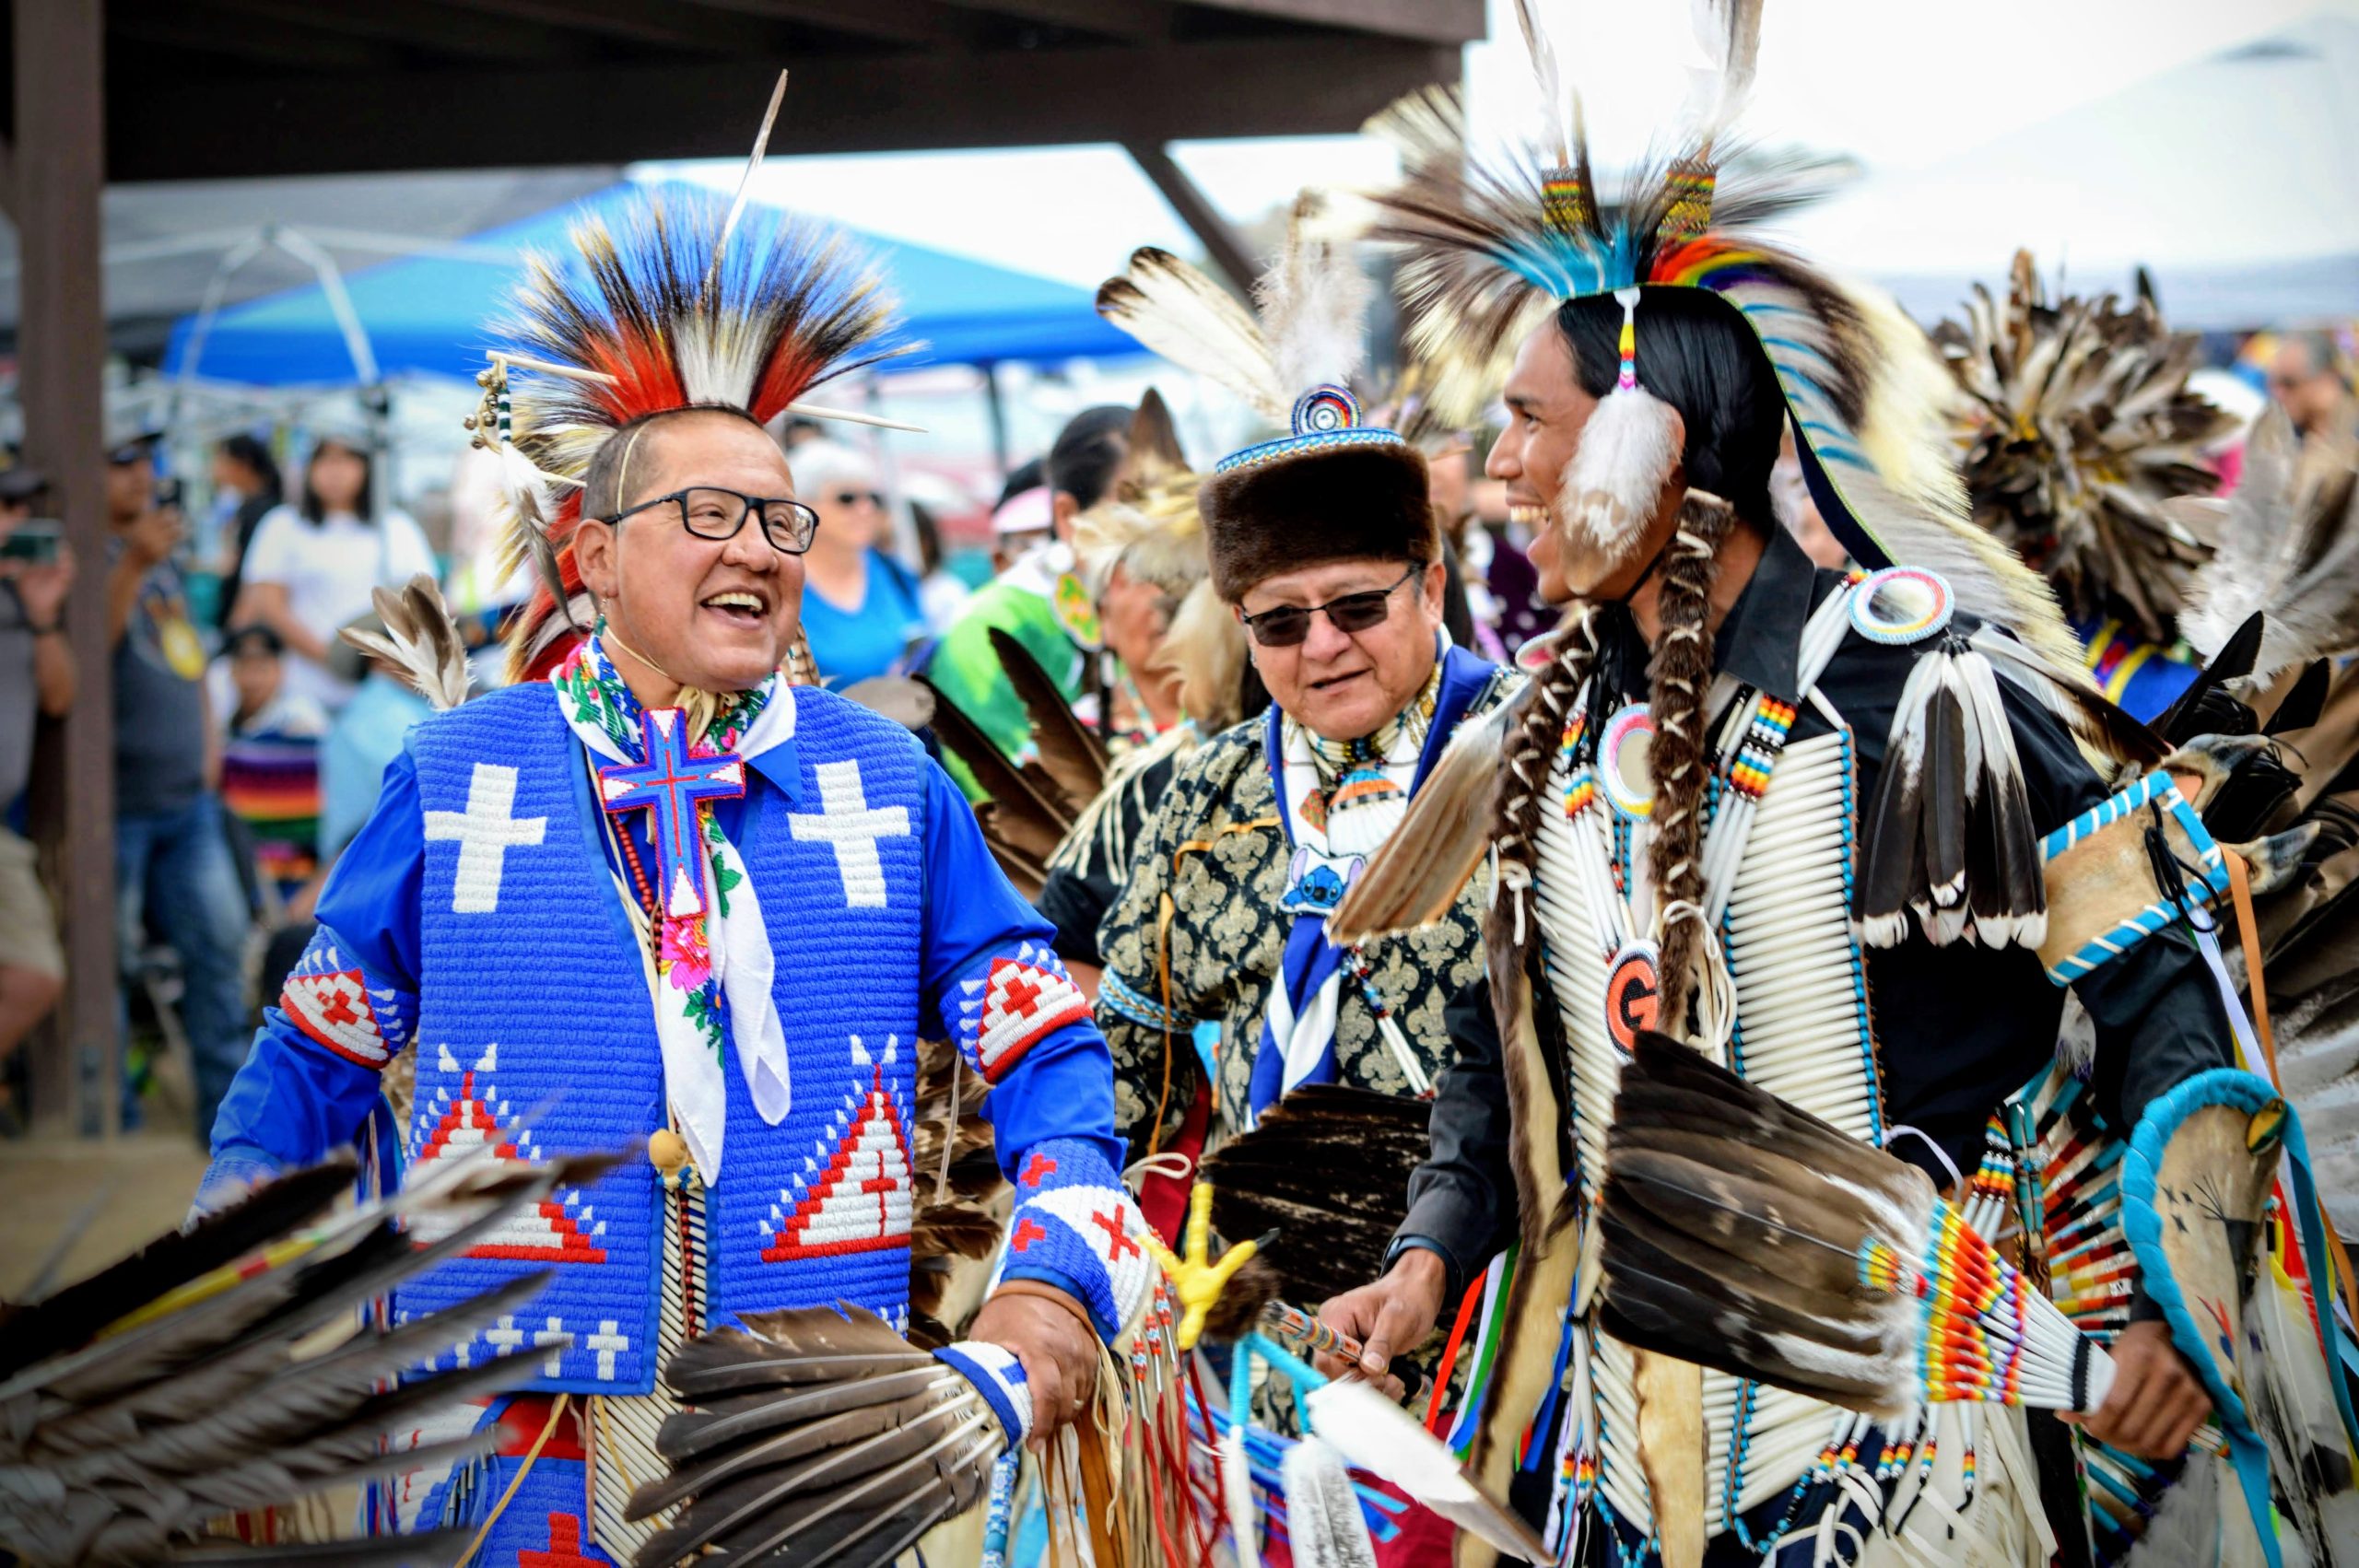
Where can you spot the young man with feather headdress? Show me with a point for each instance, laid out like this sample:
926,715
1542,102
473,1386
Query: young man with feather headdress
652,893
1796,821
1322,547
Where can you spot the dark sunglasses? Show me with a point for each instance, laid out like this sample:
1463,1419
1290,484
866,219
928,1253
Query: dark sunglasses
1286,625
853,497
712,513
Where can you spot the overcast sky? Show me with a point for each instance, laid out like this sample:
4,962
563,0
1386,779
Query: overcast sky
1894,83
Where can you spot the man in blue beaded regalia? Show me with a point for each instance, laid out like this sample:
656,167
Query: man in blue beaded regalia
653,892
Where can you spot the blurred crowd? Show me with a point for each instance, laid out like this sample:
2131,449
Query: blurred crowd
250,741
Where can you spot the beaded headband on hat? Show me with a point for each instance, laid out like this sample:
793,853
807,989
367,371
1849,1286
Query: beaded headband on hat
1325,418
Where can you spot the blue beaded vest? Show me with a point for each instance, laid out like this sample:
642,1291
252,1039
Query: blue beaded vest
534,997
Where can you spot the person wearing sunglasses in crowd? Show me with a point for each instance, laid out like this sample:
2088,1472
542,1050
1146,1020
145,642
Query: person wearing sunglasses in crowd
1324,547
860,607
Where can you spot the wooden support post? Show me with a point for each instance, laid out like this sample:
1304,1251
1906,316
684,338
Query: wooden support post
1220,241
996,407
60,172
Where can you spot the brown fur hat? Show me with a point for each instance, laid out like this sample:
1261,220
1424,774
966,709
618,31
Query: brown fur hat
1329,502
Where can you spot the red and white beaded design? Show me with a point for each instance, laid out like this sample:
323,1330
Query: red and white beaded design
335,1010
1016,1003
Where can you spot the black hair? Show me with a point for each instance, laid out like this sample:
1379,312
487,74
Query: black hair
929,534
1029,475
601,482
1697,355
1088,451
261,632
314,511
252,455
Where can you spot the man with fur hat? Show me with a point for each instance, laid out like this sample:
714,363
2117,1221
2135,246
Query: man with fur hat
1322,544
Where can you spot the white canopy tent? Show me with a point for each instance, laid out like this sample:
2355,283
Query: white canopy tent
2233,181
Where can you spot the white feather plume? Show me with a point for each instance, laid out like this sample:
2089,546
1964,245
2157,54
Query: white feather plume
1173,309
2287,544
1728,32
1615,479
1314,303
1312,306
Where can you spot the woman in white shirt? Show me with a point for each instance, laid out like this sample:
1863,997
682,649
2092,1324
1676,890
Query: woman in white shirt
311,564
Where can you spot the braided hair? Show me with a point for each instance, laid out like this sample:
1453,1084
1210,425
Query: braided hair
1529,755
1679,679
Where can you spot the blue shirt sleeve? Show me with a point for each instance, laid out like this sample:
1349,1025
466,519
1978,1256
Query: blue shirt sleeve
295,1100
989,964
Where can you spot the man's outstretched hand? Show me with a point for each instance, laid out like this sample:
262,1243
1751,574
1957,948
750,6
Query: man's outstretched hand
1388,1317
2157,1401
1050,1333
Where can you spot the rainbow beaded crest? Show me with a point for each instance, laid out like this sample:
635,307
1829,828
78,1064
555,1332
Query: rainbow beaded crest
1325,419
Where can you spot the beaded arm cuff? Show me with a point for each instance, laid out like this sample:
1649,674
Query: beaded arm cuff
1075,1221
2132,864
1010,1003
342,1007
998,1376
1120,996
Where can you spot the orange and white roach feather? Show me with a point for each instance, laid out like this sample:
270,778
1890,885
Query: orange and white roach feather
669,307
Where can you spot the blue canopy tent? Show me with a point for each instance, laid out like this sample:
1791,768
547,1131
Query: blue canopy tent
434,314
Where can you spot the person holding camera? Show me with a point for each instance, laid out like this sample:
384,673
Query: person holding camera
172,857
36,680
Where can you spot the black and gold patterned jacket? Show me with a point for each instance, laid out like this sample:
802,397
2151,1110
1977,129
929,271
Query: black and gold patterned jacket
1215,849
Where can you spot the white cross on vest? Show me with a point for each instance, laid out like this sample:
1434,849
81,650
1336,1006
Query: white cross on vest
850,825
486,832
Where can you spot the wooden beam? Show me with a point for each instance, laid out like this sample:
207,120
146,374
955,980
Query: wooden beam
219,127
419,26
61,349
183,28
922,23
1134,21
1427,21
657,22
1221,242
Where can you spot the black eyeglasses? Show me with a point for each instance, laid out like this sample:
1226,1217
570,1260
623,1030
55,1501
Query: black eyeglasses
1286,625
712,513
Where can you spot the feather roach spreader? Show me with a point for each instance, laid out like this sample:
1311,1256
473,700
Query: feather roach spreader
233,1368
